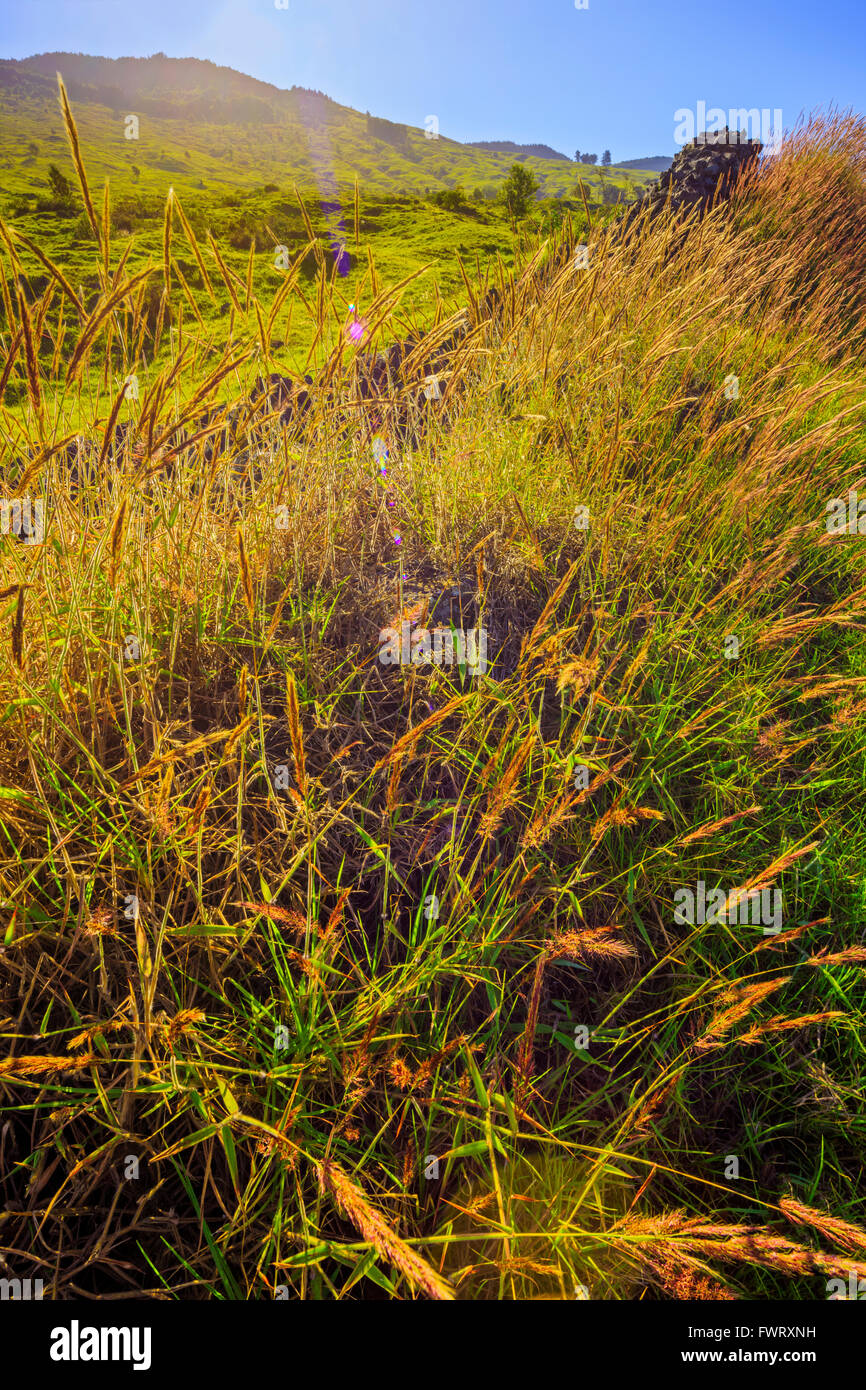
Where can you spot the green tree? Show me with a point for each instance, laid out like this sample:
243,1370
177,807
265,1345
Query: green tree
61,188
518,190
606,159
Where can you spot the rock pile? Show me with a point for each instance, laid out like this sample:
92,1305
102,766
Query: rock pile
702,173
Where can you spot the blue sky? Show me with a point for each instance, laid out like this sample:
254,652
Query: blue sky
610,76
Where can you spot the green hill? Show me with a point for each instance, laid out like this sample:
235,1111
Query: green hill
257,167
203,125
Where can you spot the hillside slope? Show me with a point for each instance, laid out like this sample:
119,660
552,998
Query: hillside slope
200,125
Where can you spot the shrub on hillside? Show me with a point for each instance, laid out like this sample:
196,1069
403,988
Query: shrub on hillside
452,199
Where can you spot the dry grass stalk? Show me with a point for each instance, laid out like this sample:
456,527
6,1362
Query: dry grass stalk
690,1285
355,1205
745,998
531,642
85,1038
182,1022
552,819
331,933
408,740
674,1239
393,784
595,944
286,916
75,149
195,745
503,794
246,577
18,626
842,1233
601,779
779,1024
296,733
703,832
767,876
620,817
34,387
194,247
851,955
14,1067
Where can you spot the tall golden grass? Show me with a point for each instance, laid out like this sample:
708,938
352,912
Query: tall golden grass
152,774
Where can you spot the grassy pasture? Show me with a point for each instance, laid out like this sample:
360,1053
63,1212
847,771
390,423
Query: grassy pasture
356,981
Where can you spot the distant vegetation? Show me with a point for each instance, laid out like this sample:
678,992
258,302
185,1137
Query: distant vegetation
524,151
656,163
